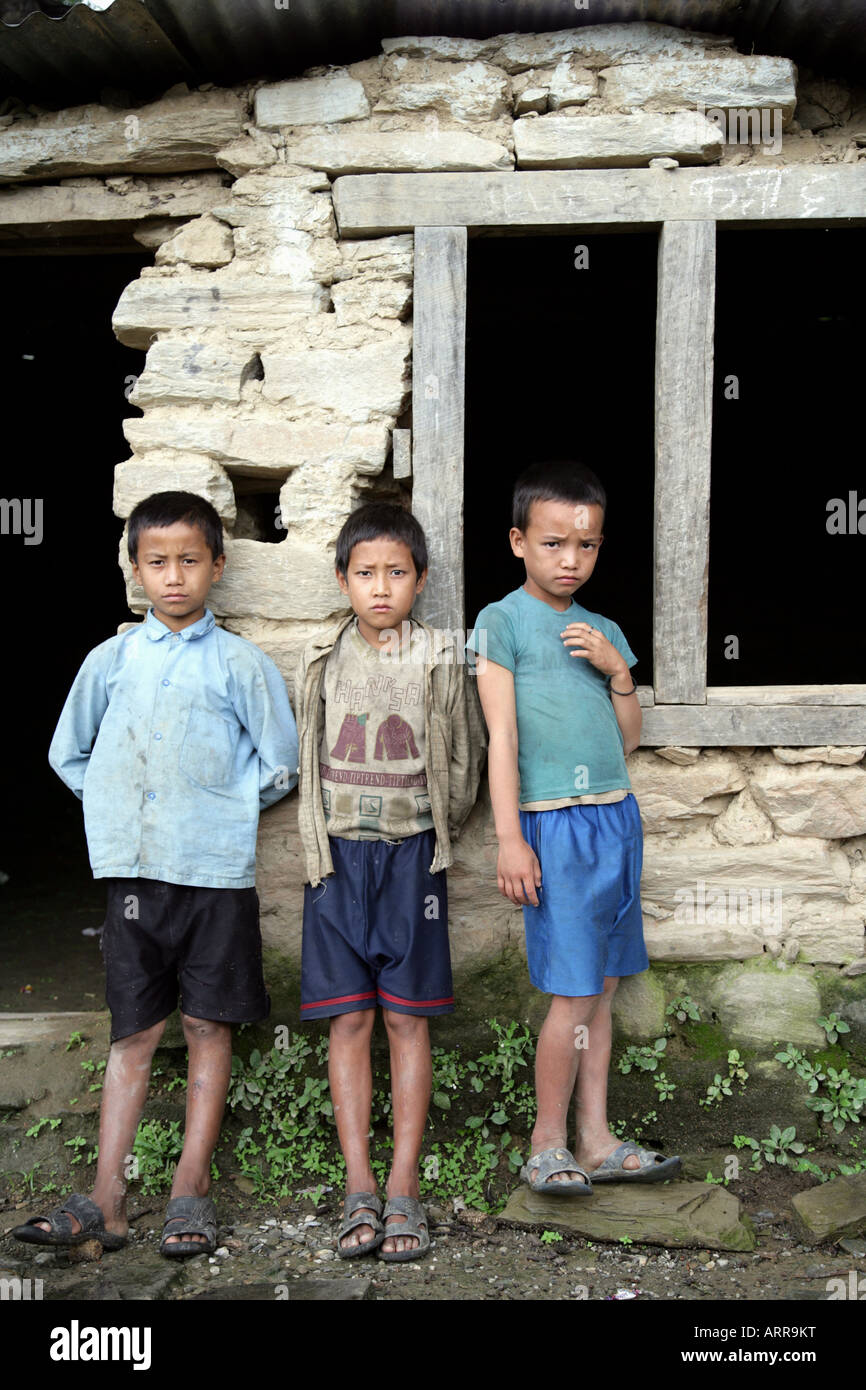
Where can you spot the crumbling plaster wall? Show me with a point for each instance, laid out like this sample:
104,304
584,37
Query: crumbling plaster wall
278,352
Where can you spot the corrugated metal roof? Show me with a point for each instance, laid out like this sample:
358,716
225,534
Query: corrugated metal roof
144,46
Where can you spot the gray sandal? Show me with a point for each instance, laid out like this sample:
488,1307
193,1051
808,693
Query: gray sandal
550,1161
356,1212
190,1216
654,1167
85,1211
414,1225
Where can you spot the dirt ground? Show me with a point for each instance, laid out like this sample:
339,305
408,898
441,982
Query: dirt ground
272,1253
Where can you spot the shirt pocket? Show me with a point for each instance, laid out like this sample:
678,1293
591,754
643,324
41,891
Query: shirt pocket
207,755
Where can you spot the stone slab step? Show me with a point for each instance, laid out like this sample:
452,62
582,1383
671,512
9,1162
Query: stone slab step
836,1208
23,1030
676,1214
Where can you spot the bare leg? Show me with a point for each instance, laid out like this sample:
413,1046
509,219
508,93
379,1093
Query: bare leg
556,1066
411,1079
350,1075
210,1064
124,1091
594,1140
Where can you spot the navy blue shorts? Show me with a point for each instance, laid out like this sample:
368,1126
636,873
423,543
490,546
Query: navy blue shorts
376,931
588,921
158,936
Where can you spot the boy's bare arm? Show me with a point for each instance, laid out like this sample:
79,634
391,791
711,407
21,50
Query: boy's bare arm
628,713
590,644
518,870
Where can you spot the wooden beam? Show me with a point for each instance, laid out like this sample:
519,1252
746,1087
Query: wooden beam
683,430
786,726
438,405
402,459
786,695
373,204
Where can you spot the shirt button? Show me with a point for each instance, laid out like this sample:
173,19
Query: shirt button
166,682
151,796
157,737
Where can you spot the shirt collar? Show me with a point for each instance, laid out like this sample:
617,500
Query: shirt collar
538,604
156,629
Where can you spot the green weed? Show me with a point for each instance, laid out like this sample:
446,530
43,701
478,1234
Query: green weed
833,1025
682,1006
644,1058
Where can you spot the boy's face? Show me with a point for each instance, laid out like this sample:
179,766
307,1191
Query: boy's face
382,586
176,569
559,548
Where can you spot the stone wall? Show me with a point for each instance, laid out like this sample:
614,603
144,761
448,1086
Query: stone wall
278,359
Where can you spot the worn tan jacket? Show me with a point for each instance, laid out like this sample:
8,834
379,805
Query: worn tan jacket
454,744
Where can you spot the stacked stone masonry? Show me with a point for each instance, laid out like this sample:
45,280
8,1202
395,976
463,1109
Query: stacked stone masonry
279,355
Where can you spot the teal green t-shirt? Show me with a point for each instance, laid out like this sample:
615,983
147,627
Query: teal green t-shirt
569,742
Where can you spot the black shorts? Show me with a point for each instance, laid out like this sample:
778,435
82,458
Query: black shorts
160,935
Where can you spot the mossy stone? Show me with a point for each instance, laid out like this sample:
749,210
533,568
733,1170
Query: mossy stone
759,1002
639,1007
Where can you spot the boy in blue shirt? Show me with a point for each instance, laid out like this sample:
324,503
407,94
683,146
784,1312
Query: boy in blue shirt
562,715
174,734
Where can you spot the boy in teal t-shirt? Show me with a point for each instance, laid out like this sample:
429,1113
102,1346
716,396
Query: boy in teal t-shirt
563,715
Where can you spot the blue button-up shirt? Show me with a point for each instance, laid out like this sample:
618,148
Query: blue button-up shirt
174,740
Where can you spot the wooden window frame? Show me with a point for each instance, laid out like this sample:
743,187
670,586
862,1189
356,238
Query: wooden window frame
684,206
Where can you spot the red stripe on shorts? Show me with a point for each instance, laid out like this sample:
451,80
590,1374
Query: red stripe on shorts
414,1003
343,999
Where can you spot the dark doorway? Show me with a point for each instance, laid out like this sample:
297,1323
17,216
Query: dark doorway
560,353
787,443
63,384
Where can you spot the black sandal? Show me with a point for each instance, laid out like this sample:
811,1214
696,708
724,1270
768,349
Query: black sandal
198,1217
356,1212
414,1225
85,1211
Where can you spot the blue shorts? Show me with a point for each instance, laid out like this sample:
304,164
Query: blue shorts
376,931
588,922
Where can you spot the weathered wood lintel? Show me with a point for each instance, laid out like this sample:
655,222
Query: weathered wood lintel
786,695
438,408
787,726
373,204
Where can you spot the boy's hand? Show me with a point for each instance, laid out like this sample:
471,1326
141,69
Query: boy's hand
518,872
588,642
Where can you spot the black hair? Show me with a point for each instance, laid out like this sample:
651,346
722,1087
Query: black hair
375,521
166,508
555,480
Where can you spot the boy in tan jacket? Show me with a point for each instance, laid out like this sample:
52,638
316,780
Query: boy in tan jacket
391,743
